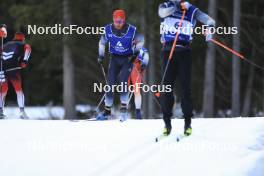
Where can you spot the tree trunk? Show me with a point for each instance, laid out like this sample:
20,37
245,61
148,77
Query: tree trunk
209,83
150,74
145,96
236,62
263,93
68,69
121,4
247,101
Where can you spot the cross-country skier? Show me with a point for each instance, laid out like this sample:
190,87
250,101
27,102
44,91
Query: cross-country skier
171,13
16,55
3,34
137,73
120,37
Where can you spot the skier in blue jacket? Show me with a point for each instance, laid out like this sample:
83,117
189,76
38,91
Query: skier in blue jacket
120,37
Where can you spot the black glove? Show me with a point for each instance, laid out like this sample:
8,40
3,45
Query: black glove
143,67
100,59
181,4
134,56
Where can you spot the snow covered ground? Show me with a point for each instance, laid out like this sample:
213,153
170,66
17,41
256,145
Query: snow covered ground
218,147
42,112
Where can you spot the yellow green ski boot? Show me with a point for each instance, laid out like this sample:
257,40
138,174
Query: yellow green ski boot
167,130
187,130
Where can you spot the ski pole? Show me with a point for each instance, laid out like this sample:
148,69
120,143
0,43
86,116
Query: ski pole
227,48
12,69
103,97
154,97
99,104
104,74
172,51
2,50
236,53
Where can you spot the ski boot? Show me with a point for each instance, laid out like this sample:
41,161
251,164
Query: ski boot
167,130
23,114
123,113
2,116
138,114
187,129
105,115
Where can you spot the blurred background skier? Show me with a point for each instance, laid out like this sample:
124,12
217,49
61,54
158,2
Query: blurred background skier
137,73
3,34
171,13
16,55
120,37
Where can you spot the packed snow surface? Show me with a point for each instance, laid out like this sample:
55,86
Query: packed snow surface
218,147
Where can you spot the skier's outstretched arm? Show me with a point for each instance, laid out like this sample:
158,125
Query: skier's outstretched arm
204,18
27,52
27,49
138,43
101,48
143,56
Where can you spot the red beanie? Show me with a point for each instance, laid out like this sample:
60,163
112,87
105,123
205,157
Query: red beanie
119,13
19,36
